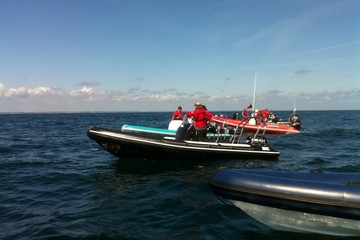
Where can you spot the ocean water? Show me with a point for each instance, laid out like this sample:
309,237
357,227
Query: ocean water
55,183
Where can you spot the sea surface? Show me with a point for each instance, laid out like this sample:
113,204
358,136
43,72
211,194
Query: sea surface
55,183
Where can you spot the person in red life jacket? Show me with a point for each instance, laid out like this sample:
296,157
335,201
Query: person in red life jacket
177,115
245,113
258,117
201,117
265,113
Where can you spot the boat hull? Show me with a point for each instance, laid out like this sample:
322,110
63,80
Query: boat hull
128,145
268,127
327,203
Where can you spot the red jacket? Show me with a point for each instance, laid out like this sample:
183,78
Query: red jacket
177,114
245,114
201,116
265,113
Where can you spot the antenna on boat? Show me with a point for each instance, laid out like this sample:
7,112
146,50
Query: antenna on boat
253,103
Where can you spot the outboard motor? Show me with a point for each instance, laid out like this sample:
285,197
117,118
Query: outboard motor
258,140
295,121
185,131
211,129
273,118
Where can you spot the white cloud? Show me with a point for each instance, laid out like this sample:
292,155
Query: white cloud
26,92
87,99
21,92
40,91
86,89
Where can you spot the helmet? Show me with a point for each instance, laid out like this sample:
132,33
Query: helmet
197,104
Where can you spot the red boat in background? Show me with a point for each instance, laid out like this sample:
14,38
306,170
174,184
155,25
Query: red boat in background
270,125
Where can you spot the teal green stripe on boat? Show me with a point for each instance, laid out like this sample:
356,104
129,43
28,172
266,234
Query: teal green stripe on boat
160,131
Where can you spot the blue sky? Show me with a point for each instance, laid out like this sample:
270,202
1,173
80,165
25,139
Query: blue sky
153,55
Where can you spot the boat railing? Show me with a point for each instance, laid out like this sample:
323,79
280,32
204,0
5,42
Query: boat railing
239,132
241,125
262,123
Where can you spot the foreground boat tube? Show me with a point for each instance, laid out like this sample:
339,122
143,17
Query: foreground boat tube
326,203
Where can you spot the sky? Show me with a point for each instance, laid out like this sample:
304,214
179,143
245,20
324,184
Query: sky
154,55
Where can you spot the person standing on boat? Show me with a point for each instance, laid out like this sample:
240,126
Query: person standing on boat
294,120
245,113
201,116
177,115
258,117
265,113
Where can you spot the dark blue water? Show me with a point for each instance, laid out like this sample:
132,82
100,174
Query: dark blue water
55,183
